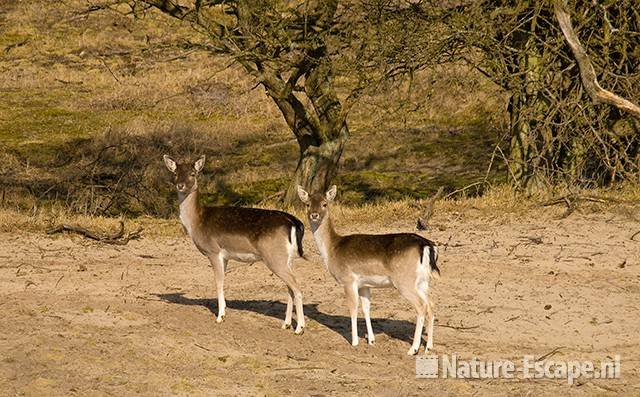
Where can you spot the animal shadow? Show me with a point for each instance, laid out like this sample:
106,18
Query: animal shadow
397,329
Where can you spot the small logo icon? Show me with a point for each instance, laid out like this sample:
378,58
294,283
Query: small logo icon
427,367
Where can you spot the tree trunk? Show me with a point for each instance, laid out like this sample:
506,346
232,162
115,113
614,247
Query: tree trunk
317,165
319,125
520,147
526,107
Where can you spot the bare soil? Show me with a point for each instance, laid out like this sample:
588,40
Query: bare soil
87,319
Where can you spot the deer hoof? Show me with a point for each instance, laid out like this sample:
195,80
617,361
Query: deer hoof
412,351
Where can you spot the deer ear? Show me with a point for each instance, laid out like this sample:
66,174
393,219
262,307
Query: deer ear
331,193
170,163
304,196
199,165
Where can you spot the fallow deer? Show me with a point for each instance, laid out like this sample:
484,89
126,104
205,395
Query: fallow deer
240,234
359,262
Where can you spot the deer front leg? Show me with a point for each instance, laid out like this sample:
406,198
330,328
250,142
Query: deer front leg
351,291
365,296
219,264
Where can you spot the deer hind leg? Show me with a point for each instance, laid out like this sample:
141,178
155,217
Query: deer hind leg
419,301
280,265
294,289
280,262
431,317
219,265
365,296
290,298
351,291
289,313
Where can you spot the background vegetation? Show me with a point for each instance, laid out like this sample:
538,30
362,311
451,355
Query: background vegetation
94,93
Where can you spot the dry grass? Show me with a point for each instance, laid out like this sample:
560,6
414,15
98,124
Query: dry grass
499,205
38,221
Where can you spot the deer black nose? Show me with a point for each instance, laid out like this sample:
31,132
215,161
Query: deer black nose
314,216
180,186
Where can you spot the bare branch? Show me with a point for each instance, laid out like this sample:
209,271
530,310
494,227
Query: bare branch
588,74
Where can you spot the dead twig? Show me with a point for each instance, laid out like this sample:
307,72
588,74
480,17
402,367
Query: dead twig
422,221
118,238
110,71
487,310
202,347
635,234
15,45
299,368
534,239
457,327
551,353
464,188
271,197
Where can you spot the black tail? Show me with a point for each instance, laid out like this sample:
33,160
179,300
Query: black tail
299,234
433,257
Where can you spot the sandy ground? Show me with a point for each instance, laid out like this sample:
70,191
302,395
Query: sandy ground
86,319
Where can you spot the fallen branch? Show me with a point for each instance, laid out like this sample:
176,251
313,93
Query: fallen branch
118,238
567,199
635,234
572,202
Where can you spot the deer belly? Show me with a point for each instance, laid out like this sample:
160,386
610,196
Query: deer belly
240,256
374,281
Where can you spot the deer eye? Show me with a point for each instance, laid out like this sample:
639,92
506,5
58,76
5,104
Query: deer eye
324,205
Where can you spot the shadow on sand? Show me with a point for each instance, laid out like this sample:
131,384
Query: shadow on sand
397,329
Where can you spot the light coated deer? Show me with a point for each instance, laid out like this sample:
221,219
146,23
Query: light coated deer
240,234
358,262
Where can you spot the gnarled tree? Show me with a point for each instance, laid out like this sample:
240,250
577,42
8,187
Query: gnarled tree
284,46
558,133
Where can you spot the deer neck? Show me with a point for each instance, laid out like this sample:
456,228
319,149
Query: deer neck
189,210
326,238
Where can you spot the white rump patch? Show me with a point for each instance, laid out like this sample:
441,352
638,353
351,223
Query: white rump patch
292,246
422,272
